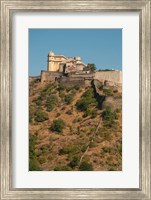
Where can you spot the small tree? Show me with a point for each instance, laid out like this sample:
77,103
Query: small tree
74,162
85,166
58,125
68,98
91,66
51,102
41,116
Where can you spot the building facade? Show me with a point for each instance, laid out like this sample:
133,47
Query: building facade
60,63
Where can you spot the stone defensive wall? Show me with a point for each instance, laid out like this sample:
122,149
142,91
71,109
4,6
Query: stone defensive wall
49,76
114,76
110,76
89,76
68,82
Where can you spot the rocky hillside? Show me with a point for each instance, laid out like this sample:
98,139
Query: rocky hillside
75,128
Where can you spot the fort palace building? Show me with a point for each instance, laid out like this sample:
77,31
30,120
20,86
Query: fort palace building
72,70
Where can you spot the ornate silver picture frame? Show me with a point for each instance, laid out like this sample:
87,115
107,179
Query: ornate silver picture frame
8,7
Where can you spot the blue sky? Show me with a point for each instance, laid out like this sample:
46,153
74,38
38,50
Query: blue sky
100,46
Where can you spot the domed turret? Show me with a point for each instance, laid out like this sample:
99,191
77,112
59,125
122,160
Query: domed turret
51,53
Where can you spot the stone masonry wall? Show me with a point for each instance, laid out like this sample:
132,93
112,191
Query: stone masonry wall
115,76
49,76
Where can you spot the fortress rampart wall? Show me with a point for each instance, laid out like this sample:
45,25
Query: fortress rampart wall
49,76
114,76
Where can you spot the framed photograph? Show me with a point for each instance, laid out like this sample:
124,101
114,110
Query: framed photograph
75,99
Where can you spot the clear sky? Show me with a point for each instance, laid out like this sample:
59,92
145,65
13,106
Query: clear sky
103,47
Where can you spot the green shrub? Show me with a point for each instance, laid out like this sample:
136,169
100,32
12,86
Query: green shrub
91,67
69,149
82,105
78,130
92,144
64,150
30,118
41,116
117,110
107,134
77,87
61,88
62,94
32,109
71,129
74,162
109,117
33,165
62,168
86,101
87,113
49,87
85,166
68,98
42,160
58,114
83,149
107,114
51,102
44,148
108,92
58,125
88,93
93,113
32,143
106,150
77,119
38,101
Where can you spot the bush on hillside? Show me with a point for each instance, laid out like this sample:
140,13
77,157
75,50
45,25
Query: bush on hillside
38,101
41,116
85,166
48,88
68,98
77,87
74,162
62,168
69,149
51,102
86,101
58,125
108,114
109,117
33,163
108,92
93,113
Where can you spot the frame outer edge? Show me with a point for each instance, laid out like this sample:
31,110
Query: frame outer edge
146,102
5,120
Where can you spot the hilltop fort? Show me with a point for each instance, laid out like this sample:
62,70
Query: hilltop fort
72,70
75,117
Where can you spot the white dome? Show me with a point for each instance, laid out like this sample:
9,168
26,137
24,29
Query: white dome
51,53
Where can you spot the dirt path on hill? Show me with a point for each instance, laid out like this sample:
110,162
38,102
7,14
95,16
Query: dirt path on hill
94,135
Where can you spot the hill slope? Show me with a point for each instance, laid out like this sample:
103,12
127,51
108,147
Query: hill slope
74,128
